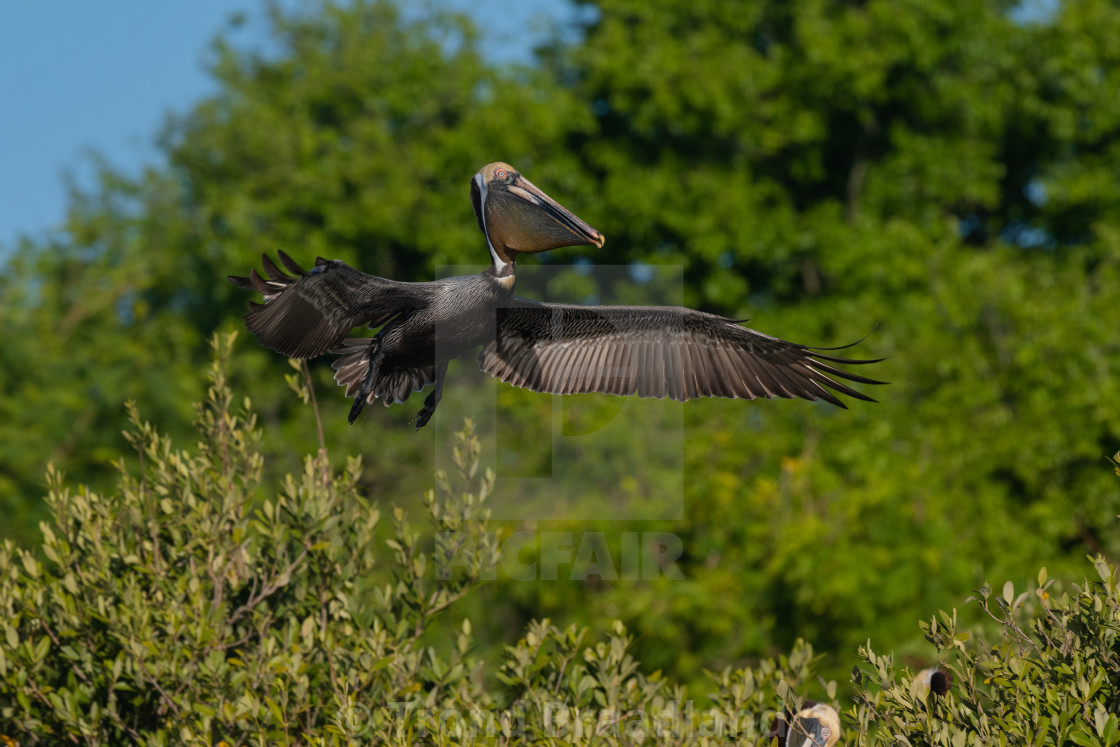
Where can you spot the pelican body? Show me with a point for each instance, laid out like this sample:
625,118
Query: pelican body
651,351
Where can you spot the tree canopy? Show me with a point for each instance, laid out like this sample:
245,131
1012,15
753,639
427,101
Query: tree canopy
941,175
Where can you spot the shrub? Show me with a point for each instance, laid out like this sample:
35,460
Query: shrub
193,603
200,603
1051,678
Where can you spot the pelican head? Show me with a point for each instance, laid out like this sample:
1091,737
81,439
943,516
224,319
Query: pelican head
815,725
934,679
516,217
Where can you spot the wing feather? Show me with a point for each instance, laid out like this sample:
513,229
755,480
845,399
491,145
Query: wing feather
699,374
658,351
305,314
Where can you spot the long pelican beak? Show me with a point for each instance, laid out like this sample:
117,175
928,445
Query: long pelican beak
517,217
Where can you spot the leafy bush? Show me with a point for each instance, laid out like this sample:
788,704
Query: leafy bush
196,603
192,604
1052,677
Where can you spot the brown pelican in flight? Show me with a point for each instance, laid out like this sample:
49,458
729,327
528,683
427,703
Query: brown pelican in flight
650,351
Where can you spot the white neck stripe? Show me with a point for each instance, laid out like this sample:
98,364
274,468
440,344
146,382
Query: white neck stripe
498,263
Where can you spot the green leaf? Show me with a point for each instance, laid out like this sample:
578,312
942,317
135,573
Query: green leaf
1084,738
41,649
1109,734
275,710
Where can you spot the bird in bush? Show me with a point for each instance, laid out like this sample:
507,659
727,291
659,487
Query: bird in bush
650,351
815,725
933,679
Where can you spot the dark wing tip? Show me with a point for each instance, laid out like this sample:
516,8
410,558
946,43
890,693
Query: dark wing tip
271,269
818,355
292,266
848,375
256,282
838,359
819,352
295,318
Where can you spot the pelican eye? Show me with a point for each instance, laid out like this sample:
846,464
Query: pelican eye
501,174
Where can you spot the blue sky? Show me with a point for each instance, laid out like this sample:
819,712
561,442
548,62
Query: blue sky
81,77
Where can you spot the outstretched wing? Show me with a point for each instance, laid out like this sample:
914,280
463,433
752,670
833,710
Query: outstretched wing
656,351
306,315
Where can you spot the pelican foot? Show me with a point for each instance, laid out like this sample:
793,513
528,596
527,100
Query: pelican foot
427,412
356,409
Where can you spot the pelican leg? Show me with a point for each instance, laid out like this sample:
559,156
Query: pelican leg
367,385
433,399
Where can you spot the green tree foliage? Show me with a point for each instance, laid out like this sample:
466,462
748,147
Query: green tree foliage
939,174
199,602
